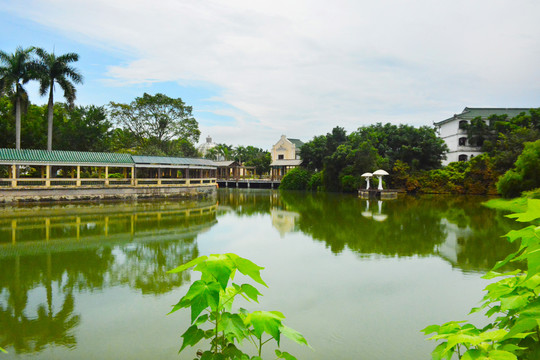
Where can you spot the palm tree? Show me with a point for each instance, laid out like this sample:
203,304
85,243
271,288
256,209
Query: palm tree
16,70
56,69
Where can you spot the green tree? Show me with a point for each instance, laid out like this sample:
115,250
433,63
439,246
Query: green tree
16,70
53,70
525,175
156,120
88,125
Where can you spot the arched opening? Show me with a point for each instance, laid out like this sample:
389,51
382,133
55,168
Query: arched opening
463,124
462,141
462,157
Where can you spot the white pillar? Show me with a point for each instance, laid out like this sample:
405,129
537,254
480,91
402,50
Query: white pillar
380,182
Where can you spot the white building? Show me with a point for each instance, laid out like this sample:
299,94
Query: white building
205,147
455,137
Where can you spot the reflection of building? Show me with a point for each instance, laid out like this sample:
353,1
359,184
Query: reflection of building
284,221
452,131
285,156
451,248
86,226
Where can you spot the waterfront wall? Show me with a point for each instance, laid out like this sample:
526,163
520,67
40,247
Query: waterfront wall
10,195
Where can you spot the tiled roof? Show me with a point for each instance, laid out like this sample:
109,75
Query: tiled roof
64,157
298,143
471,113
166,160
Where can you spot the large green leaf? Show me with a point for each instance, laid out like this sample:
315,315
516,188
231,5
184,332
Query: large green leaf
183,303
293,335
251,292
514,302
532,213
191,337
476,354
233,324
202,295
189,264
248,268
217,267
265,321
440,352
522,326
284,355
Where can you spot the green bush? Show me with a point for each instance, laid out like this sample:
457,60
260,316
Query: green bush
525,175
315,182
295,179
349,183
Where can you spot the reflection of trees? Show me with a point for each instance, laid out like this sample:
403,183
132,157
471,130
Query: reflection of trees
140,246
413,226
26,334
337,220
146,266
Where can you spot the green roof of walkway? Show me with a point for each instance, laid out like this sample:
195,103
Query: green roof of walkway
65,157
26,156
166,160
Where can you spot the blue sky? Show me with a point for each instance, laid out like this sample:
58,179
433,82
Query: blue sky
256,70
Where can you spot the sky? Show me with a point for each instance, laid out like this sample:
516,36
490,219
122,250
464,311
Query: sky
254,70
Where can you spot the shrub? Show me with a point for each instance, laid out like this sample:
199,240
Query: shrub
295,179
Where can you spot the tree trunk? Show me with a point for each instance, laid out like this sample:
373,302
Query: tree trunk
18,123
50,119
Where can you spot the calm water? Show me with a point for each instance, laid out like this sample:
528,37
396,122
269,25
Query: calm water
358,279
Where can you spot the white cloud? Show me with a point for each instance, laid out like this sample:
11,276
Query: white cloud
302,67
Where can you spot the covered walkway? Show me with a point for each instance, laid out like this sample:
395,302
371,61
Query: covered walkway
42,168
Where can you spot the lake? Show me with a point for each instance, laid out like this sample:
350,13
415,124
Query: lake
358,279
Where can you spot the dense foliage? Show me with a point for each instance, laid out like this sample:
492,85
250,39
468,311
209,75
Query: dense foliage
514,301
343,158
526,173
218,324
295,179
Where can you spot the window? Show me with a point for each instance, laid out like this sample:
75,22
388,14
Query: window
462,141
281,157
463,124
462,157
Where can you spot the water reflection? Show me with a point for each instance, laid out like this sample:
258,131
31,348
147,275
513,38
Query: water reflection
457,229
48,253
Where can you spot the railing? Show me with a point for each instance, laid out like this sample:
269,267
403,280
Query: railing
70,182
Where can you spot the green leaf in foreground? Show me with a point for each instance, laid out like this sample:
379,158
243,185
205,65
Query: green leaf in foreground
192,336
226,329
188,264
